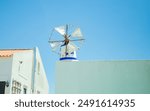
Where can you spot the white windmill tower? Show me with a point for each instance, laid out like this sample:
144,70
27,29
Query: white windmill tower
65,46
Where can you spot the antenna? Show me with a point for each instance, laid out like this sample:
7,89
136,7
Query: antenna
67,46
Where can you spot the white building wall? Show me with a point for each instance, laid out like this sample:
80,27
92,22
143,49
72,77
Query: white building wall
22,67
103,77
5,71
26,68
41,83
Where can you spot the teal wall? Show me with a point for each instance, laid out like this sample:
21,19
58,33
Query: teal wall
103,77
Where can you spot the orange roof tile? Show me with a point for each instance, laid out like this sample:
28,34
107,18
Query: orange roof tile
10,52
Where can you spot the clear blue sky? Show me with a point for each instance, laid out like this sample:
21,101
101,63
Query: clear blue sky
113,29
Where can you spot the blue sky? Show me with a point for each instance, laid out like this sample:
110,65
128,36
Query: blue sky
113,29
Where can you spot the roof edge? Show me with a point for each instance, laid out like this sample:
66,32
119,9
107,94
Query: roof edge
17,49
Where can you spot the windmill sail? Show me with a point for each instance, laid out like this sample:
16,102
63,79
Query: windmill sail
61,30
71,47
55,45
77,33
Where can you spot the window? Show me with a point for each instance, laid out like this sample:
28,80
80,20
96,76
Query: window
16,87
2,87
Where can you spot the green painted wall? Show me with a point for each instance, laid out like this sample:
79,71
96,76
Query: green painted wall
102,77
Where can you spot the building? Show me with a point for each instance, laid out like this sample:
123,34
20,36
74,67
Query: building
103,77
22,72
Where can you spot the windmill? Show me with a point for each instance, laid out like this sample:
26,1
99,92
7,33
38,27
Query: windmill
67,45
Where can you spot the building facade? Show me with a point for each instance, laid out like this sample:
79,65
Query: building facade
22,72
103,77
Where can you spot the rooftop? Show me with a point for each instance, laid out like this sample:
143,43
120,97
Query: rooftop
10,52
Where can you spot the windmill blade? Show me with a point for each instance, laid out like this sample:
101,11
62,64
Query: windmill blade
66,30
55,45
78,40
77,33
72,47
61,30
55,41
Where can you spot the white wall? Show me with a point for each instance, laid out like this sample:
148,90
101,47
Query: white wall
103,77
22,72
25,67
41,83
5,71
5,68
